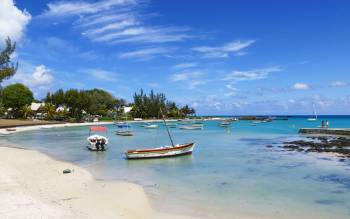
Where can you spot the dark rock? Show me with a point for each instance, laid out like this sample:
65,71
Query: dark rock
67,171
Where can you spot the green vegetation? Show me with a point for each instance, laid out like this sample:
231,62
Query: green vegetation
147,106
81,103
7,68
17,96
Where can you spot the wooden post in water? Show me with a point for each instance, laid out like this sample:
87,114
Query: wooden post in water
166,126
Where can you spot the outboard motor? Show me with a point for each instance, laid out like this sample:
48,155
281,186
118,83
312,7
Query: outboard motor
103,142
97,145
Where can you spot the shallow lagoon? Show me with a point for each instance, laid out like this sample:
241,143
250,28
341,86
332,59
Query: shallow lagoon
231,171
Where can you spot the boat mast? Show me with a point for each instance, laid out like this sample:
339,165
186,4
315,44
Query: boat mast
166,126
315,114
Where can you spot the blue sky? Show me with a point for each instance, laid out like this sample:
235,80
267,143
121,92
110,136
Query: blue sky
221,57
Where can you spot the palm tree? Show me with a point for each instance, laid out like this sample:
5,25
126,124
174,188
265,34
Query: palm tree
25,111
49,110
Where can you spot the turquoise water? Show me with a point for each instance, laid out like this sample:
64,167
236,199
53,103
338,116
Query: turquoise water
230,173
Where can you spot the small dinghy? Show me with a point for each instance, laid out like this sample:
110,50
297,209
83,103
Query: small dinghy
97,142
122,125
151,126
225,124
11,129
192,127
124,133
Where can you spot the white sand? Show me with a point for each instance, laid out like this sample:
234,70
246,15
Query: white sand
32,185
62,125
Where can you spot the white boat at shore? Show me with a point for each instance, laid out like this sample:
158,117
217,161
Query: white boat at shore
97,142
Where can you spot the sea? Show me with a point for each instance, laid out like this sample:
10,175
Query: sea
231,173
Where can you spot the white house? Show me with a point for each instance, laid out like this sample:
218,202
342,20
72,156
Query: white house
35,107
61,109
127,109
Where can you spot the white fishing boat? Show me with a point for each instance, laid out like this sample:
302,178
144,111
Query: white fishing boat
313,119
97,142
225,123
124,133
124,129
161,152
192,127
166,151
152,126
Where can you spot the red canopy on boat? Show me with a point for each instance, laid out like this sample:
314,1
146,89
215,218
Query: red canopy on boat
98,129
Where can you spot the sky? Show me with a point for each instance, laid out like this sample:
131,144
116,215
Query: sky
220,57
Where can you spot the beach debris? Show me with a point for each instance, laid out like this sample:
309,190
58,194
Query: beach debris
67,171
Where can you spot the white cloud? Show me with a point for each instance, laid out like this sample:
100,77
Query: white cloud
71,8
224,50
114,21
41,76
300,86
40,80
338,84
186,75
192,79
12,21
179,77
256,74
101,74
185,65
145,54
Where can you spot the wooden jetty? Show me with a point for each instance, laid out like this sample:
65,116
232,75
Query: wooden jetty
325,131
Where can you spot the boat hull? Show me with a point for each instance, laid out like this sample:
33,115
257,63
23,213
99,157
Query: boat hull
191,127
163,152
124,133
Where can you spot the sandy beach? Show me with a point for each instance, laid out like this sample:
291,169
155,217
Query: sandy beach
15,129
33,185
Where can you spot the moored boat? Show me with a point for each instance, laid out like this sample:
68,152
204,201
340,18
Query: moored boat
192,127
160,152
313,119
152,126
124,133
225,124
97,142
167,151
122,125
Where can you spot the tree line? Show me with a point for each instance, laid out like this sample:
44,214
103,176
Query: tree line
149,105
77,105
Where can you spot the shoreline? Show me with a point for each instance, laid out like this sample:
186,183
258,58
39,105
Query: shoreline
5,131
34,184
